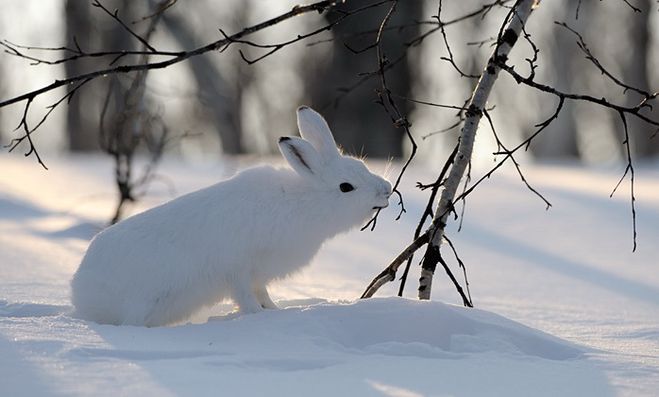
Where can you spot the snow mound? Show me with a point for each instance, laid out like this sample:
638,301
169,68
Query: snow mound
397,326
383,323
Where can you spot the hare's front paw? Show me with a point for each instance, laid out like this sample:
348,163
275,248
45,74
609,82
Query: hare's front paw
247,303
264,299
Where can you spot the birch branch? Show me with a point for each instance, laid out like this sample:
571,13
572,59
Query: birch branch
433,236
518,16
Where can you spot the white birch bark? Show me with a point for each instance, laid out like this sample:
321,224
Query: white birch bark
509,37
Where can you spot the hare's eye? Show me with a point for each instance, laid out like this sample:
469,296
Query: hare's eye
346,187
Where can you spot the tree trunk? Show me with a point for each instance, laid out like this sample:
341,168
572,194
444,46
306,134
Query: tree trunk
224,101
637,73
92,30
559,139
81,125
510,34
360,125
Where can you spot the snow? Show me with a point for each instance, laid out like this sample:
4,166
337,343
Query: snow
563,306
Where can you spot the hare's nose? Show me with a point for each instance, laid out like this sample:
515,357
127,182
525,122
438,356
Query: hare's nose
386,193
387,189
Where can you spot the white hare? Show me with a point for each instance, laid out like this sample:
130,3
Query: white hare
228,240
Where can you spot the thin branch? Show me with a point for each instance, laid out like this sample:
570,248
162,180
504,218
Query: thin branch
460,119
576,15
347,36
629,169
82,79
450,58
27,131
533,65
115,15
389,273
164,6
634,8
416,41
509,154
512,158
481,43
214,46
589,56
439,105
482,11
463,201
273,48
465,300
462,266
398,119
633,110
76,53
509,33
427,213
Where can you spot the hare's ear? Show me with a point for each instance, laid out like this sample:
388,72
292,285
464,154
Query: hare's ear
314,129
300,155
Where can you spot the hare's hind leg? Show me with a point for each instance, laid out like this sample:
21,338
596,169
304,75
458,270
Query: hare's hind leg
263,298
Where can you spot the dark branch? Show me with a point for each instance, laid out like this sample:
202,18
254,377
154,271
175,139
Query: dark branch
427,212
628,170
115,15
633,110
177,57
503,149
450,58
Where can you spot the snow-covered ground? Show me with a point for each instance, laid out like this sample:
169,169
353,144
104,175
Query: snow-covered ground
564,307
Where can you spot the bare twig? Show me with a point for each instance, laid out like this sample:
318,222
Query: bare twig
398,119
74,53
509,154
603,102
28,97
512,158
133,125
589,56
162,7
427,213
629,169
273,48
576,14
517,18
462,266
28,131
450,58
506,39
465,300
389,273
115,15
481,12
634,8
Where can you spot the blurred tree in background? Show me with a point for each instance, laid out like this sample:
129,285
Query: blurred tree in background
219,93
360,124
90,29
624,41
637,70
237,107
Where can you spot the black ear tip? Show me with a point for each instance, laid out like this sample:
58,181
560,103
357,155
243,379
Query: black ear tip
284,138
303,107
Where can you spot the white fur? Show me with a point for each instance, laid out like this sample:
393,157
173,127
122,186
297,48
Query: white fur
229,240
